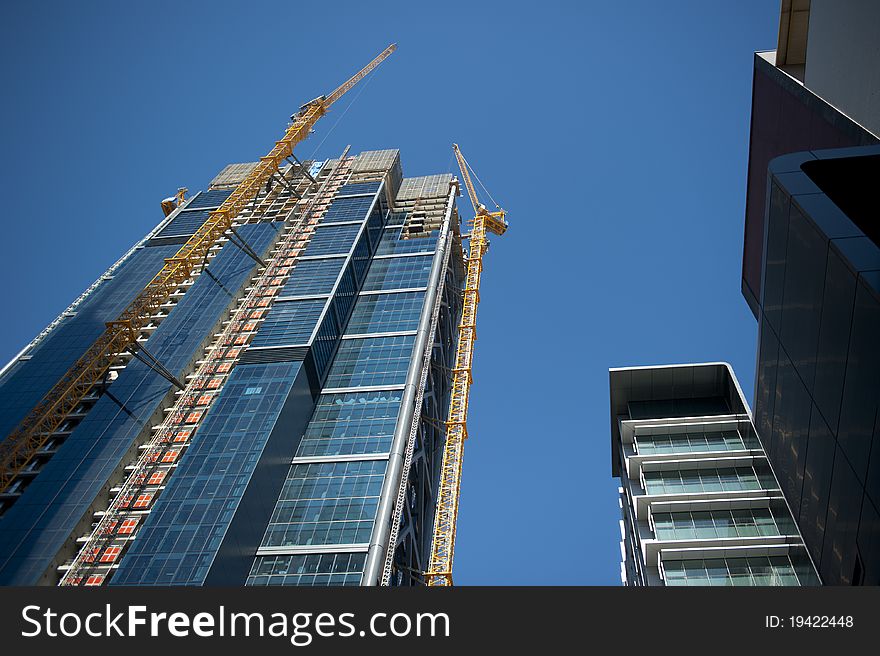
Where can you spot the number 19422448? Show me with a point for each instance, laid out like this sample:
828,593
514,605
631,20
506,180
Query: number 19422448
809,621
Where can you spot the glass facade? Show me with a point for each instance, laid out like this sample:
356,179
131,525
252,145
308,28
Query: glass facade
289,322
399,273
696,484
332,504
332,239
723,479
308,569
351,423
394,241
754,570
251,423
185,223
71,480
692,442
279,473
327,503
817,392
712,524
210,198
177,544
313,277
22,387
371,361
386,313
348,209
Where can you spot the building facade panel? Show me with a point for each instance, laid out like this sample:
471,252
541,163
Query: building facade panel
817,389
700,503
282,472
60,498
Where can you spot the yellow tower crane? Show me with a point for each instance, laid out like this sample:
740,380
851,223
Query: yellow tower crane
33,432
443,541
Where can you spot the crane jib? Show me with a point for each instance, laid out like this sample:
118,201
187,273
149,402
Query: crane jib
33,432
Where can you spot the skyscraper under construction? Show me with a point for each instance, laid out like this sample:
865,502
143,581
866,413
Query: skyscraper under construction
276,415
258,433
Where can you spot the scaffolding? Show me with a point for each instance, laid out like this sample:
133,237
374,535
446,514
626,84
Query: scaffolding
96,559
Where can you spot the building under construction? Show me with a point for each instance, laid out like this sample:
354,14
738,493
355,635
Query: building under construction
269,388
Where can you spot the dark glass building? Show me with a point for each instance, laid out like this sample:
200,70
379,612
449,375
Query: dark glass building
818,378
312,351
811,275
817,90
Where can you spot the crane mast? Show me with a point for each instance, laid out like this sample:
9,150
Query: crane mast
35,429
443,541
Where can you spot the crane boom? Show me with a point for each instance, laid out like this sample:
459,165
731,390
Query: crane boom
357,77
446,515
494,220
466,176
33,432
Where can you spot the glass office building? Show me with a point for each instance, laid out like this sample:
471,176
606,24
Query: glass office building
818,387
314,350
811,261
699,502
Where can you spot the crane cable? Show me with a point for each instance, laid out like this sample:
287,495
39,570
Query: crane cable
480,182
366,83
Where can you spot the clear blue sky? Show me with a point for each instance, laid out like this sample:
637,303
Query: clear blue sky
614,133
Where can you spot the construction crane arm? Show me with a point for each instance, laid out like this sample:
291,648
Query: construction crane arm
495,221
466,176
35,429
357,77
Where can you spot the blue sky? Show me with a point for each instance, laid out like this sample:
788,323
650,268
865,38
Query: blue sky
615,134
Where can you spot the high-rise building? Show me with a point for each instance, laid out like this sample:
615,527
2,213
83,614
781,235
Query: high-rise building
280,421
699,502
819,89
811,275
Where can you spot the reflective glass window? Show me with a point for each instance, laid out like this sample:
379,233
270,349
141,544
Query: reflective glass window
351,423
312,277
395,241
386,313
371,361
330,569
327,503
331,240
754,570
398,273
289,322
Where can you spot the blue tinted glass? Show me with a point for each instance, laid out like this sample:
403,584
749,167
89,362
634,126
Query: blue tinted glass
212,198
185,223
27,381
347,209
313,277
329,569
351,423
398,273
332,240
378,313
371,361
395,242
358,188
191,517
327,503
96,447
289,322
